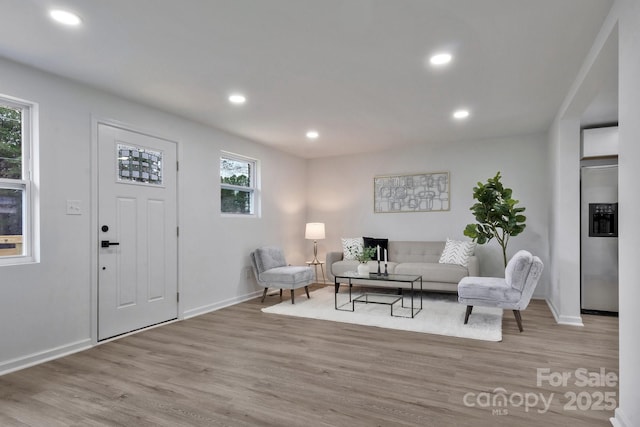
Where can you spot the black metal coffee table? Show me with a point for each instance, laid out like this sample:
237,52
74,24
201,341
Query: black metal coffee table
401,282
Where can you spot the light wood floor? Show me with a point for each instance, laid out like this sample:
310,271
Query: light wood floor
241,367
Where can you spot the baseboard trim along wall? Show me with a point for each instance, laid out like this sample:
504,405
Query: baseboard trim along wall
564,320
219,305
43,356
66,350
619,420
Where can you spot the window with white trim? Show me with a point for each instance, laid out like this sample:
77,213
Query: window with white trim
238,185
16,186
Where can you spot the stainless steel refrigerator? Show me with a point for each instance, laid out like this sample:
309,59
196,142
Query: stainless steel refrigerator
599,239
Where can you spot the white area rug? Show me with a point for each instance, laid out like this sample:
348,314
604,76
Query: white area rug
438,316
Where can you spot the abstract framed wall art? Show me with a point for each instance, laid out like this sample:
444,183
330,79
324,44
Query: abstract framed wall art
423,192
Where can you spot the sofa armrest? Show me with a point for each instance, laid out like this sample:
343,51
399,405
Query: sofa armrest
474,266
331,258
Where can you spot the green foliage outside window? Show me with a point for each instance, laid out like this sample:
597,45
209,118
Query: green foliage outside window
10,212
10,168
10,143
234,201
236,194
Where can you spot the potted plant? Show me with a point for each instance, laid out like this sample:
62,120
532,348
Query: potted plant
496,213
363,255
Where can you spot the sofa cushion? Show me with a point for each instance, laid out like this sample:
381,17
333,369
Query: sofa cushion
373,242
339,268
457,252
350,247
269,257
412,251
433,272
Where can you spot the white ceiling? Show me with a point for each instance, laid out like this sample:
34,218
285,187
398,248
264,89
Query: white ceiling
352,69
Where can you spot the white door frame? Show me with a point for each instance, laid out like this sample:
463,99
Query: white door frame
94,237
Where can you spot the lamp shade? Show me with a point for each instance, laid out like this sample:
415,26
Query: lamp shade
314,231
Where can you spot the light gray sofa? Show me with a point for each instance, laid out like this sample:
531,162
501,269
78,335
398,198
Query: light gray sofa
411,257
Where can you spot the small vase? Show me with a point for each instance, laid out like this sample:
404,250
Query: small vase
363,269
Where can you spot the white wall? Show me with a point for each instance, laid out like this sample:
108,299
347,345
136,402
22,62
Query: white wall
622,26
341,194
564,224
46,308
628,414
564,160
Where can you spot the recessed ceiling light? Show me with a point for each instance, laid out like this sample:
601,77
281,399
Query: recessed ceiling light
461,114
65,17
313,134
237,99
440,59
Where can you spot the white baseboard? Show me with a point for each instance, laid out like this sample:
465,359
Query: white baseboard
553,309
564,320
619,419
570,320
221,304
43,356
65,350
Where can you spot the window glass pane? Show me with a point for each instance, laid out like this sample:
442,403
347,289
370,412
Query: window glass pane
137,164
11,221
237,185
236,201
235,172
10,142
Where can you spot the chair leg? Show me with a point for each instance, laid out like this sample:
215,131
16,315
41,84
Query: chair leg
518,319
466,315
306,289
264,294
293,298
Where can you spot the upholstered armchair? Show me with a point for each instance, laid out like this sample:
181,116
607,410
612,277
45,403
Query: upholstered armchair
271,271
513,292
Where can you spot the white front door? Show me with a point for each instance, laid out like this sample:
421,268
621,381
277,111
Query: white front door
137,231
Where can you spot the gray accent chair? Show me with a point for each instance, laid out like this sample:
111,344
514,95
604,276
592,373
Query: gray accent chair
513,292
271,271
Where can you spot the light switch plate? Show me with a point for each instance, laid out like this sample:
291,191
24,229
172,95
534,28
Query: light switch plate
74,207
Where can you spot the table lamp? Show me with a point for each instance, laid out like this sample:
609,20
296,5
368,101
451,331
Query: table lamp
315,232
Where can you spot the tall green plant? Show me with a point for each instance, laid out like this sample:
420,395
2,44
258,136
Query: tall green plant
496,213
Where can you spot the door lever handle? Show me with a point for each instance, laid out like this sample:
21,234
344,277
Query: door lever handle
106,243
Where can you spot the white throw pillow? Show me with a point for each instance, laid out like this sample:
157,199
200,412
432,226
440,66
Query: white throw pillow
356,243
457,252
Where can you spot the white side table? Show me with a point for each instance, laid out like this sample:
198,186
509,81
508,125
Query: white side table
315,264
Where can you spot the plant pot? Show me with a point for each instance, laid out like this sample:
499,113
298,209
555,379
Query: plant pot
363,269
